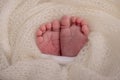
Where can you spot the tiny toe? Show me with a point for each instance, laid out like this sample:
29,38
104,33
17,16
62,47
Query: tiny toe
43,28
65,22
48,26
39,33
40,39
85,30
73,19
56,25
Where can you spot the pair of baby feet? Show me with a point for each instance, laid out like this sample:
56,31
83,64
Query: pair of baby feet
65,37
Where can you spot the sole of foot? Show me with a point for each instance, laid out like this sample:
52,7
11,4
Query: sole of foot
73,35
47,38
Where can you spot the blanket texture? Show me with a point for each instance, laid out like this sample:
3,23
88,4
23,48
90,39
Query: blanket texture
20,59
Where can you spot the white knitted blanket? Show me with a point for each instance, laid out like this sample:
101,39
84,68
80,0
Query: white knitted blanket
20,59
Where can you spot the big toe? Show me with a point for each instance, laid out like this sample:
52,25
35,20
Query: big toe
65,22
56,30
56,25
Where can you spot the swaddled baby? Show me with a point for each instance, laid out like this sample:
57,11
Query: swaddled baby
65,37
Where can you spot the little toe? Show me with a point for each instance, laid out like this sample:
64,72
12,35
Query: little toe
65,22
48,26
56,25
85,30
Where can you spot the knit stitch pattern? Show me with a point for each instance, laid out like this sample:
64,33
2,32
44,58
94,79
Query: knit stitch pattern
20,58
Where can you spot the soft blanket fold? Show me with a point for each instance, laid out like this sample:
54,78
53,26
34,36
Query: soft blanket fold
20,59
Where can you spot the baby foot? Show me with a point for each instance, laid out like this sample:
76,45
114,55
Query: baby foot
73,35
48,38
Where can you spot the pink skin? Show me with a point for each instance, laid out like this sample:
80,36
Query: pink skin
65,37
48,38
73,35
